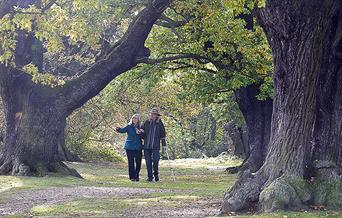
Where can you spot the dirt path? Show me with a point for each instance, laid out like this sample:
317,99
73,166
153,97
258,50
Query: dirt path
21,201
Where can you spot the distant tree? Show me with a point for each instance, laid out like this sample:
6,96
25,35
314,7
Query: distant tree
223,58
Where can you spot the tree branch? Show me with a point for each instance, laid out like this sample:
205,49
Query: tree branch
123,56
6,6
167,22
200,58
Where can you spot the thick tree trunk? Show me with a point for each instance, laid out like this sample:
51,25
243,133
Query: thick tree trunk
34,123
305,144
257,115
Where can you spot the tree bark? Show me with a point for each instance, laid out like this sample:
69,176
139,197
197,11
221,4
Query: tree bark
257,115
305,142
36,114
34,123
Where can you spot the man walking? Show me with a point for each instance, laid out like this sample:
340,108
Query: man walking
153,132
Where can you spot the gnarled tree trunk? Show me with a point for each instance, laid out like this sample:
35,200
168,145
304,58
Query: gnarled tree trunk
305,144
34,123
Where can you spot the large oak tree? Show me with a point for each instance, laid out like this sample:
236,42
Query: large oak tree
36,113
303,163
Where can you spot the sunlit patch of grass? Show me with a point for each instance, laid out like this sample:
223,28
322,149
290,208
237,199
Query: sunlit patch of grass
9,182
82,208
19,183
220,162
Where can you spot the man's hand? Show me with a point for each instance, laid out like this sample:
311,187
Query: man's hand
164,154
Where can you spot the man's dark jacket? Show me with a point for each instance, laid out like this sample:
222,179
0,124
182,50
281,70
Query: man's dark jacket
154,132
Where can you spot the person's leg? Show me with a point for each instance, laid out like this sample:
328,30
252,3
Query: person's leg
130,158
155,159
138,155
148,159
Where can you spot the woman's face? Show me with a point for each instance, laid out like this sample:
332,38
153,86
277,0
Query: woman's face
135,120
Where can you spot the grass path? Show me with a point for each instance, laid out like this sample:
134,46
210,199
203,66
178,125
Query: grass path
188,188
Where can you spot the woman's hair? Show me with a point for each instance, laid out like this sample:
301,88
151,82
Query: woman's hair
135,116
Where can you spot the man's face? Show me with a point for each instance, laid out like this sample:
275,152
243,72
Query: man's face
153,116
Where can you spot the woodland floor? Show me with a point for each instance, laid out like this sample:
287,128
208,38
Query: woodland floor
188,188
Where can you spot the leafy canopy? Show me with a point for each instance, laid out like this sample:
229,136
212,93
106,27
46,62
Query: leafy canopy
82,26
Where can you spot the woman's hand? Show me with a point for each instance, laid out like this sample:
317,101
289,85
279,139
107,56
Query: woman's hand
139,131
117,128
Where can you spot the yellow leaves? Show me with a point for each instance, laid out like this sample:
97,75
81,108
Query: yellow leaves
46,79
238,6
261,3
8,42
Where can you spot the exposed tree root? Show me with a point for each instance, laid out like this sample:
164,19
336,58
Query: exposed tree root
6,167
283,194
327,187
62,168
18,168
233,170
243,194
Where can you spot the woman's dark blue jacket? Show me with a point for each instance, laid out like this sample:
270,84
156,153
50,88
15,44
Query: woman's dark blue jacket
133,141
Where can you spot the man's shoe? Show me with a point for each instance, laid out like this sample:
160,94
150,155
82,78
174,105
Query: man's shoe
149,180
156,178
137,180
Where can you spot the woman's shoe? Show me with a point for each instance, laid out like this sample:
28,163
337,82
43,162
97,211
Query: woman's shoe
149,180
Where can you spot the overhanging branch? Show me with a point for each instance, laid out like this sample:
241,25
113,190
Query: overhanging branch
123,56
199,58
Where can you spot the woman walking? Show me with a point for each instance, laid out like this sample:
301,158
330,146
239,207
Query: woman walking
133,146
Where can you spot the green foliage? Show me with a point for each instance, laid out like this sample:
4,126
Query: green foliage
67,24
44,79
90,134
94,153
228,55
